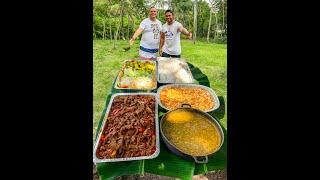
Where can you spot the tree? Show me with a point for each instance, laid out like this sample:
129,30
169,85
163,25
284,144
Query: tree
195,21
214,7
222,1
180,8
209,25
115,19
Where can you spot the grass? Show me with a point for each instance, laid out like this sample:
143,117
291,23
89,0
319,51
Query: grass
210,58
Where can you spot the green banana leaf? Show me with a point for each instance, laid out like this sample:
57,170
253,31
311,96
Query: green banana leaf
167,163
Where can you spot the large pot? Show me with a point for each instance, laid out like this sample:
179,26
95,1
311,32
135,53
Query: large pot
179,152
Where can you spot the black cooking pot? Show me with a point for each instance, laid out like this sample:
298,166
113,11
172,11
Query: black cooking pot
175,150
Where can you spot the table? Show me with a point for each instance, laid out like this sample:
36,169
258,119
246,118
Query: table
167,163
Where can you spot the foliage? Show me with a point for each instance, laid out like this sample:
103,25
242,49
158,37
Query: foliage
127,14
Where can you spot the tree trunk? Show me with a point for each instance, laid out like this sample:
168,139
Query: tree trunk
114,40
189,22
217,23
133,27
221,33
104,29
94,33
128,30
116,36
216,31
208,35
121,24
195,22
184,20
223,16
110,30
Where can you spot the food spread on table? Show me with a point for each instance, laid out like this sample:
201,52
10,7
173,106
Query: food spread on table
130,128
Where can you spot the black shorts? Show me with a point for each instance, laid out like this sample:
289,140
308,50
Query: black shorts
168,55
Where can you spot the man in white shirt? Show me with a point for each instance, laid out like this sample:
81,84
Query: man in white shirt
150,29
170,36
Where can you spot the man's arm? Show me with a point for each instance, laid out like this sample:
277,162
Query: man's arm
185,32
135,35
161,43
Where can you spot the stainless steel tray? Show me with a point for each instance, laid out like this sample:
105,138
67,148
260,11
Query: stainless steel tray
154,155
122,68
213,94
185,66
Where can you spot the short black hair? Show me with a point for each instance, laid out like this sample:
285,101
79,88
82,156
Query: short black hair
169,10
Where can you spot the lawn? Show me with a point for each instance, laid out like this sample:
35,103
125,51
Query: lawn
210,58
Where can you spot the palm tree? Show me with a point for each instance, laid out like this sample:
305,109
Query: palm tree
214,8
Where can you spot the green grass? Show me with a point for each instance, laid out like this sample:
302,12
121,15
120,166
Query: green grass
210,58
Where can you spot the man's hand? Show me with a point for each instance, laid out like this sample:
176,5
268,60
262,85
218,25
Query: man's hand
190,36
160,52
131,41
135,35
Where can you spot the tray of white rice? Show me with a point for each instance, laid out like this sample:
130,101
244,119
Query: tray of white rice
173,70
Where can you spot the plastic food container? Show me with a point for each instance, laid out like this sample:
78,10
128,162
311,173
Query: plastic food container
173,70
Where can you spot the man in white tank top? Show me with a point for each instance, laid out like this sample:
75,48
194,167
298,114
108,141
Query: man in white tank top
150,29
170,36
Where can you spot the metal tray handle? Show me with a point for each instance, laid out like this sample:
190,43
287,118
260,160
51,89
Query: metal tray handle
201,159
185,105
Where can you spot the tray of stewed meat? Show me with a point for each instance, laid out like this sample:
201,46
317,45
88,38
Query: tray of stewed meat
129,129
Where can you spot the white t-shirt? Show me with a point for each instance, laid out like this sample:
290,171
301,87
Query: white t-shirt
150,34
172,38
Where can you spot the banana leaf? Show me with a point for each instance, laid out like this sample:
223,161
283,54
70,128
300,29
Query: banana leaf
113,169
168,164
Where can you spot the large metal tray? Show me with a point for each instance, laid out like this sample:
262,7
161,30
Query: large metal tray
213,94
121,72
185,66
154,155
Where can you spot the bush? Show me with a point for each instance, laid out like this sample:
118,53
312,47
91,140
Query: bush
221,40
